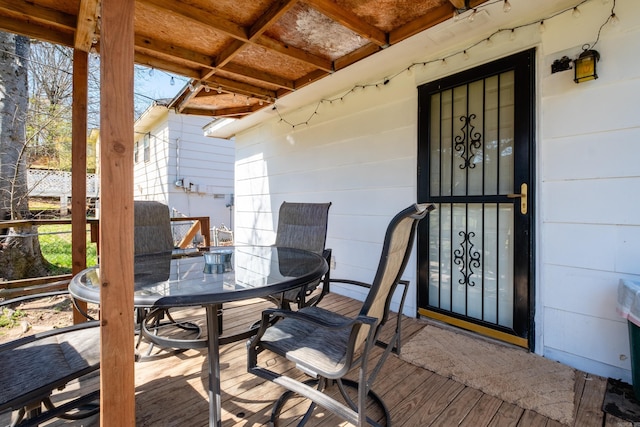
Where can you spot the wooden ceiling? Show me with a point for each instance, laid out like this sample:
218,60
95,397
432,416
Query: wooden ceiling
241,55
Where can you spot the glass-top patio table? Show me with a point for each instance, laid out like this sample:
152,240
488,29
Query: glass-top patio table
209,279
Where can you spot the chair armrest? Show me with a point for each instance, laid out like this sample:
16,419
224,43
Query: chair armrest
9,345
270,315
351,282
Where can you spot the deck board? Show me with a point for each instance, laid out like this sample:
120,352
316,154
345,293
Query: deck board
171,390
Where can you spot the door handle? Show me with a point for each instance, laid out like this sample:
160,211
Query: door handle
523,198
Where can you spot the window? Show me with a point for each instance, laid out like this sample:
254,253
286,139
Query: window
136,155
147,149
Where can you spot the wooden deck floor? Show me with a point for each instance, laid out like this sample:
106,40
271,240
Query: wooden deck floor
170,391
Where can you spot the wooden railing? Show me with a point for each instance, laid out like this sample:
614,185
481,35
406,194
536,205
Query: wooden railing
16,288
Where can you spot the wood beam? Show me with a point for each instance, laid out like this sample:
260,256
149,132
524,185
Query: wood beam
30,13
162,64
458,4
293,52
239,87
79,170
355,56
349,20
270,16
434,17
236,111
308,79
87,24
162,48
117,385
201,16
258,75
228,53
36,31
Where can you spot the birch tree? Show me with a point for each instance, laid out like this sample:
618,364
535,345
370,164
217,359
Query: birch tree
20,254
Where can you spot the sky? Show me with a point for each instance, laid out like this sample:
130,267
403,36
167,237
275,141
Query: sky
156,85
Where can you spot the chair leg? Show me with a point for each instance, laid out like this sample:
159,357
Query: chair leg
284,397
342,384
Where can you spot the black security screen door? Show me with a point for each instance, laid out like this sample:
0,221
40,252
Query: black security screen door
475,145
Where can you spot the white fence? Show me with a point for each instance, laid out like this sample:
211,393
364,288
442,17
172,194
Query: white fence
47,183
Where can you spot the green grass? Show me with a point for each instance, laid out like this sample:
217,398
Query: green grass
55,244
9,318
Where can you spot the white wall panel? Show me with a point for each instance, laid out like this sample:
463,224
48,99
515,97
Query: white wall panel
591,201
564,288
573,245
360,154
576,338
592,155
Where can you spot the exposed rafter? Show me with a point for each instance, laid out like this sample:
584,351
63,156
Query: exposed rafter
87,30
259,51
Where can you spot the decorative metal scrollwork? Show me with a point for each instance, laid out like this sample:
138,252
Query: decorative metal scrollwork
469,142
467,258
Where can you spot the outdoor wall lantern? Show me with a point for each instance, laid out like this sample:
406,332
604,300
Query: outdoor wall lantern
585,66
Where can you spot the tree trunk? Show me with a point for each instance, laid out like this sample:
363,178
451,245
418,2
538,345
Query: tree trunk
20,254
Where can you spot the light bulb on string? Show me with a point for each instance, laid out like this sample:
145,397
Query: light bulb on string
207,88
512,35
506,7
472,17
172,82
219,89
489,42
614,19
576,12
542,28
465,55
150,72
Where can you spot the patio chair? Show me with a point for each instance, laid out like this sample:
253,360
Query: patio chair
153,237
304,226
32,367
326,345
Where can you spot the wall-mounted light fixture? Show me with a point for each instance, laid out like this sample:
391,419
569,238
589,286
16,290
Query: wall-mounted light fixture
585,66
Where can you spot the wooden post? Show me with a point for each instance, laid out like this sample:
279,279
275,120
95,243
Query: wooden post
117,398
79,170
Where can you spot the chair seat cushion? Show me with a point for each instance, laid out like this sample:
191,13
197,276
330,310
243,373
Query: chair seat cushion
31,371
315,349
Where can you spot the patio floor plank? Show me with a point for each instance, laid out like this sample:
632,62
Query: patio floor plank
170,390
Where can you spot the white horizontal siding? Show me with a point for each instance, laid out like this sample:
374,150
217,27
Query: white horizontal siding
589,226
360,154
179,150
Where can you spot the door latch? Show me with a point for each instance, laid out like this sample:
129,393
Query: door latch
523,198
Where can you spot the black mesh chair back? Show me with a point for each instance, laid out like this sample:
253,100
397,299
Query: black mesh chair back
304,226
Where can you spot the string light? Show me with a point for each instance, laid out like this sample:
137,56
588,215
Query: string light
172,81
488,42
614,19
542,28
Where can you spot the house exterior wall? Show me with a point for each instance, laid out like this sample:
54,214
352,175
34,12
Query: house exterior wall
360,154
179,151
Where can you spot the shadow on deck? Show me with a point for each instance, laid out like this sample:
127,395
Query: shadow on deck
171,391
